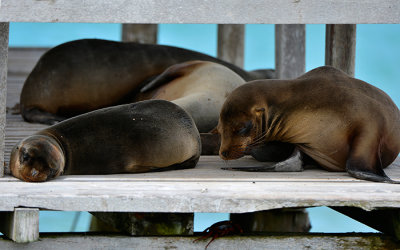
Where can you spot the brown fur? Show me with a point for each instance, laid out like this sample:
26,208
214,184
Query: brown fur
343,123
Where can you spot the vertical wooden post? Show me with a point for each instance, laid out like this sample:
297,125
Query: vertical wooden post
340,47
22,225
140,33
290,50
231,43
4,30
276,220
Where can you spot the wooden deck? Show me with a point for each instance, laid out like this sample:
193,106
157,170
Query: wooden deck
205,188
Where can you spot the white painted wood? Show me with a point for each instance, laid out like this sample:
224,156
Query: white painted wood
140,33
231,43
4,28
22,225
205,188
296,241
290,55
194,11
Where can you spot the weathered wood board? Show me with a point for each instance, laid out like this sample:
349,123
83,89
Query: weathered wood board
205,188
276,241
194,11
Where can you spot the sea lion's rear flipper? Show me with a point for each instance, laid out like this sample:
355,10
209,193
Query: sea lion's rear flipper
292,164
364,161
360,170
171,73
38,116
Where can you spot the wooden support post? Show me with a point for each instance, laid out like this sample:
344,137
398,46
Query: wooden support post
231,43
276,220
4,30
290,50
144,224
140,33
22,225
386,221
340,47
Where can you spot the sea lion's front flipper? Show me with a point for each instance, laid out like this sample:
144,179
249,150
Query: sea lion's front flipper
38,116
173,72
292,164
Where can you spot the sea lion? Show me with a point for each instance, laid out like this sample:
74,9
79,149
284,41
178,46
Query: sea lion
342,123
199,87
84,75
129,138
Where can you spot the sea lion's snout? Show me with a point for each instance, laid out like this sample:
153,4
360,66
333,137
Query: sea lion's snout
36,159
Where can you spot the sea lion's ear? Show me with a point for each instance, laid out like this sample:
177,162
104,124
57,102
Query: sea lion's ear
259,111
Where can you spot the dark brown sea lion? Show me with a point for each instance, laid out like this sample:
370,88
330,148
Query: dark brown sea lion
130,138
342,123
199,87
84,75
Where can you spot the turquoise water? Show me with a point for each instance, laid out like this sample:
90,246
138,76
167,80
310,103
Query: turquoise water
377,62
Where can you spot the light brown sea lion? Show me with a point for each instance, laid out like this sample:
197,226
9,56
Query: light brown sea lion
84,75
342,123
145,136
199,87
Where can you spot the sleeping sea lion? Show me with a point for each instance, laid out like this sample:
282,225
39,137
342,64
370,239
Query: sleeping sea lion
84,75
342,123
129,138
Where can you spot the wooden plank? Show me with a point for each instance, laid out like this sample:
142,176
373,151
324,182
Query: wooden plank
22,225
140,33
194,11
290,40
275,241
4,28
205,188
231,43
340,47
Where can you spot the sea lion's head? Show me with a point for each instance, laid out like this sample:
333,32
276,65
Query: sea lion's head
241,124
37,158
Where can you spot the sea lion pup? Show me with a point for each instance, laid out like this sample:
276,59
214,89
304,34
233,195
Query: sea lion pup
140,137
342,123
84,75
199,87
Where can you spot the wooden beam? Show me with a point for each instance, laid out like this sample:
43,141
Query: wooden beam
231,43
386,221
290,50
195,11
340,49
140,33
272,241
22,225
4,31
